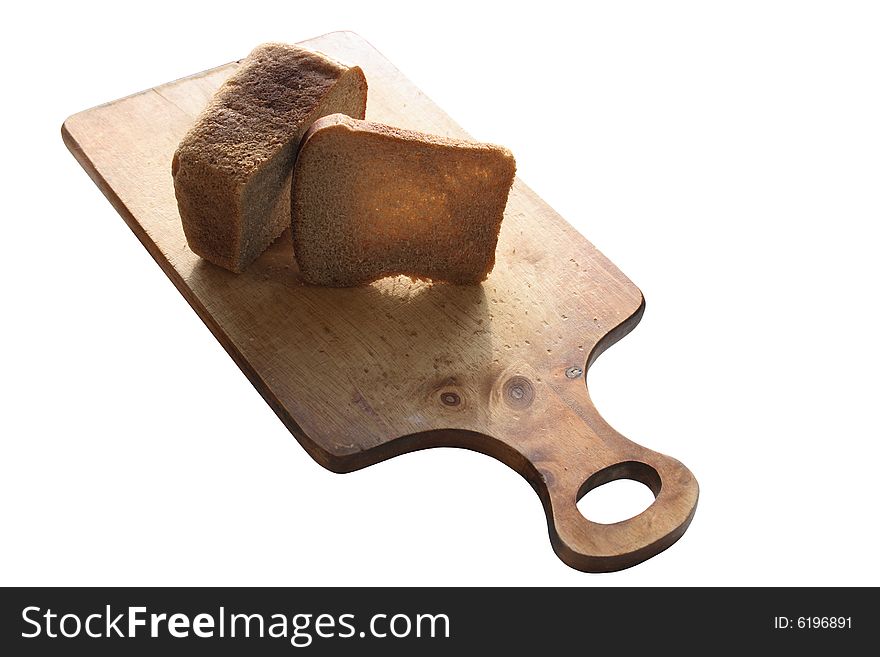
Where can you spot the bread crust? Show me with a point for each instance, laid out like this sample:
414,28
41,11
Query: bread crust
232,170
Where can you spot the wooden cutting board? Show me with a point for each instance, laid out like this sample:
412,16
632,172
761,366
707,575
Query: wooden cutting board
361,375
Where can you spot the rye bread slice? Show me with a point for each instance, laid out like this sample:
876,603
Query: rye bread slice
370,200
232,170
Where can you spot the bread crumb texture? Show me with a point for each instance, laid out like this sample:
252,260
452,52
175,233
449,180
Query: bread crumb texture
371,200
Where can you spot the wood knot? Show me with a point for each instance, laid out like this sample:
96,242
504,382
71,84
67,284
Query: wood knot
449,394
518,392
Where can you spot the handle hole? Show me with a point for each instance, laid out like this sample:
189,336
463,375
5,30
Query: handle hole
618,492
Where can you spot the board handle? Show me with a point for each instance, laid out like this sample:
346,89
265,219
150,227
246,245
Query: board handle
597,547
572,450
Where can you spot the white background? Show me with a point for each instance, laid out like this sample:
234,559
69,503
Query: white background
725,155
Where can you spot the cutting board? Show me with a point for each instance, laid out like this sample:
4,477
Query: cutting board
361,375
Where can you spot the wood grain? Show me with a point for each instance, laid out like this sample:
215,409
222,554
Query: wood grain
361,375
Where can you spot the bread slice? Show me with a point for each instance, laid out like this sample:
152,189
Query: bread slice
232,169
370,200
